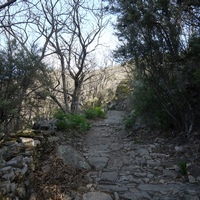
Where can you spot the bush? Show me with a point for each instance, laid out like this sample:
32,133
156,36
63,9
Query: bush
130,120
148,107
71,122
93,113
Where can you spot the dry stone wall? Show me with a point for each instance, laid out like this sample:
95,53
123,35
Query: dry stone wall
19,155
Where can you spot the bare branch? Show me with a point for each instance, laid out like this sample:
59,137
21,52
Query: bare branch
8,3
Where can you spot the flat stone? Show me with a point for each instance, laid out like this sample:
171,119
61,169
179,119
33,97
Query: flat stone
113,188
116,146
169,173
158,188
156,155
136,195
169,187
143,152
153,163
115,163
109,176
98,162
128,178
140,174
188,197
96,196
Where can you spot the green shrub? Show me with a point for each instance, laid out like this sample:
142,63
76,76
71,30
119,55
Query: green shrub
183,167
93,113
59,114
71,122
148,107
130,120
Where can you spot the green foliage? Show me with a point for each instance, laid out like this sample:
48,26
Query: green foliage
20,75
123,89
166,91
74,122
183,167
59,114
93,113
130,120
147,107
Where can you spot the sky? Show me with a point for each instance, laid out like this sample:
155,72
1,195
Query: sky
108,41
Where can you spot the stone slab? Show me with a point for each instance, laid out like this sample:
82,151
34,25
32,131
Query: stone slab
109,176
113,188
98,162
96,196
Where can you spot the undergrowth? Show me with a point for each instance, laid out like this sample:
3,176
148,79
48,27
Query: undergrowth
76,122
93,113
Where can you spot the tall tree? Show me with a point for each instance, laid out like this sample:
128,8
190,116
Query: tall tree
155,37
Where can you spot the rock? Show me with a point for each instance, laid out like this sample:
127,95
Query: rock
46,168
188,197
169,173
136,195
191,179
72,157
96,196
29,142
179,149
44,124
109,176
113,188
16,162
98,162
198,178
7,173
140,174
116,196
25,133
143,152
154,163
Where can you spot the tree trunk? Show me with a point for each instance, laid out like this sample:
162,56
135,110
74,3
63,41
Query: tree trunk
76,98
64,84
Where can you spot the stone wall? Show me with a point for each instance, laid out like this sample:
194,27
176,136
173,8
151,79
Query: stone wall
19,155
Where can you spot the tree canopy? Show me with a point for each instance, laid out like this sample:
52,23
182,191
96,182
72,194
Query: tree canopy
161,38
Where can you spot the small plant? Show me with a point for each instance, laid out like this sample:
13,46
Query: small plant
93,113
183,167
71,122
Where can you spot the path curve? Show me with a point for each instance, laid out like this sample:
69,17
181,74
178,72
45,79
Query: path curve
124,169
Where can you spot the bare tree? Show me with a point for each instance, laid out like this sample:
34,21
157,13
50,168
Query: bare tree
7,3
76,35
68,29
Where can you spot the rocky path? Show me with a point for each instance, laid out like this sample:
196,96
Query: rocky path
126,169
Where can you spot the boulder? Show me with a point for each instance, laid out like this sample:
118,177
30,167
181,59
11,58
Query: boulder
70,156
43,124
